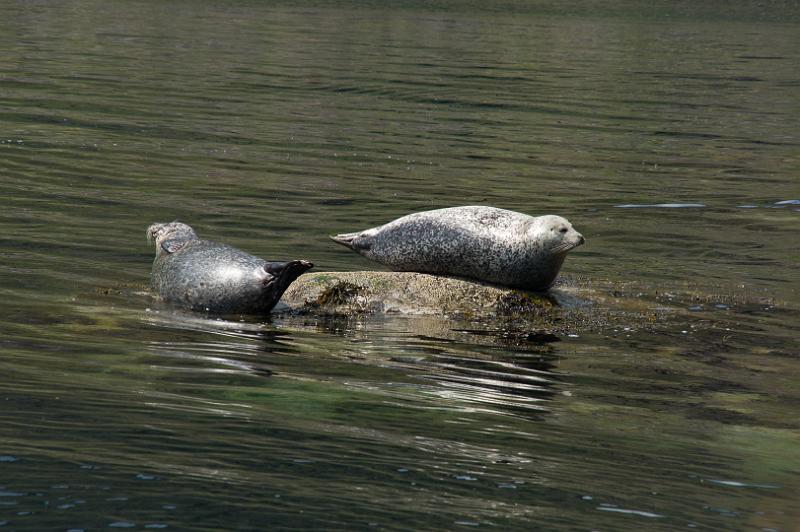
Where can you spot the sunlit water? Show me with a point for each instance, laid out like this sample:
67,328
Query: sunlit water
668,136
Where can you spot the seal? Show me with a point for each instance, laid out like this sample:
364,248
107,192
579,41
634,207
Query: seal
483,243
216,278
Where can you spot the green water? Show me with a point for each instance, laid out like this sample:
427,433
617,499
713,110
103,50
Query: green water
269,126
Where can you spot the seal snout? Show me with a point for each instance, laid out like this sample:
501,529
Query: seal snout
576,240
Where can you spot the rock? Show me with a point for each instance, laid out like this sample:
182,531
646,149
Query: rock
370,292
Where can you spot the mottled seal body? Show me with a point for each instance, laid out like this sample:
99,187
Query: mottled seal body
211,277
484,243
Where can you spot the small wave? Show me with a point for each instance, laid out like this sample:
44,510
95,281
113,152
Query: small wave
737,484
660,205
626,511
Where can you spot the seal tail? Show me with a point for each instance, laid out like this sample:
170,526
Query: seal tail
346,239
358,242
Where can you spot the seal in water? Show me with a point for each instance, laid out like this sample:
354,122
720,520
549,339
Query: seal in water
484,243
216,278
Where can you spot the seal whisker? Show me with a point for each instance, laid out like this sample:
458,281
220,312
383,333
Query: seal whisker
563,247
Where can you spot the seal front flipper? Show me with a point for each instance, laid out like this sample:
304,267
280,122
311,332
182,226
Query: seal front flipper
355,241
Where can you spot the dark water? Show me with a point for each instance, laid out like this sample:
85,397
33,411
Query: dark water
668,133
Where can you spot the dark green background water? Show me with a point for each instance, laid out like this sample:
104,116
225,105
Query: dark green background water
270,125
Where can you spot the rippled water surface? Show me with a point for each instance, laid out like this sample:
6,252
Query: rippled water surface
668,133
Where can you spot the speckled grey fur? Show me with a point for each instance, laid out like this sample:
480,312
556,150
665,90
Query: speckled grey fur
484,243
206,276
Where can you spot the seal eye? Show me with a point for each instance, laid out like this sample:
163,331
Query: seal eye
563,230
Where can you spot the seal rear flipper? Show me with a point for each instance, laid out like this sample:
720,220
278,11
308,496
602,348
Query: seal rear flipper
355,241
281,270
281,274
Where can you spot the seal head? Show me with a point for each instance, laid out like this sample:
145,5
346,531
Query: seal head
170,237
555,234
482,243
216,278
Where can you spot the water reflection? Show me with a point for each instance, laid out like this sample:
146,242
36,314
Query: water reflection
255,411
502,372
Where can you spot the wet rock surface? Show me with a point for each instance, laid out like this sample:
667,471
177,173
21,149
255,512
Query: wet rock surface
573,305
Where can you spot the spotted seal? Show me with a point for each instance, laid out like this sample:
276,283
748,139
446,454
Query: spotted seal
484,243
206,276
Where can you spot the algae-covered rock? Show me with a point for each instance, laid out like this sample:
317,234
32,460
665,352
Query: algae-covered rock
408,293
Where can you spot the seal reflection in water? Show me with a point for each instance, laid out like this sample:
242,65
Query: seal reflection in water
206,276
484,243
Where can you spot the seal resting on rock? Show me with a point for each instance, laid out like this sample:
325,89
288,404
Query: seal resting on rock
485,243
206,276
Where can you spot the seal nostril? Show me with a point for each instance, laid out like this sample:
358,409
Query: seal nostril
582,240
